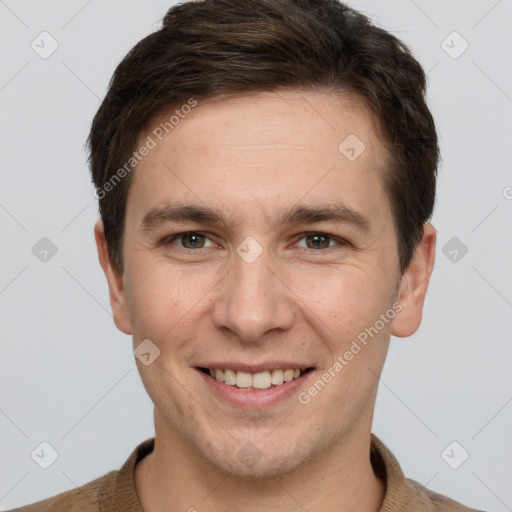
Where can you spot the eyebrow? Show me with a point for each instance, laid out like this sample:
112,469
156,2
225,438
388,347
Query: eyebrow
336,212
299,214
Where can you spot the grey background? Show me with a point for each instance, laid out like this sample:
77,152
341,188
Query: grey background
68,377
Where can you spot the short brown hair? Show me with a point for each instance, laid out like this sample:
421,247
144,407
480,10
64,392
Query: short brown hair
209,48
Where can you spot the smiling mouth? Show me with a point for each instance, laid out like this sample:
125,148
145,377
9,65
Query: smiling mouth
255,381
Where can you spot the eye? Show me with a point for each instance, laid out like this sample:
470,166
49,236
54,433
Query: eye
196,240
191,240
321,241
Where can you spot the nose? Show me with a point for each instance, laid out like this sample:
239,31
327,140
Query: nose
253,301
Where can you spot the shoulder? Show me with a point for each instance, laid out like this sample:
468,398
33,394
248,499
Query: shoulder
113,491
404,494
82,499
426,500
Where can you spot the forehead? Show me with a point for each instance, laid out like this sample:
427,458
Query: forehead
293,119
271,148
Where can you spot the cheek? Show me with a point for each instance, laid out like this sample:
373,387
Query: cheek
164,299
340,302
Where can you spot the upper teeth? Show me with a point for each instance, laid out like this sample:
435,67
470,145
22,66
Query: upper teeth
260,380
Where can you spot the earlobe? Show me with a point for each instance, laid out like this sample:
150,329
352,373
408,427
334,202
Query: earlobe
414,285
115,282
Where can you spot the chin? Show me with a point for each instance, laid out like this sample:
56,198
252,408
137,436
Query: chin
249,462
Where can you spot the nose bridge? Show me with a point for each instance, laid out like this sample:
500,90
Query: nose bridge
252,300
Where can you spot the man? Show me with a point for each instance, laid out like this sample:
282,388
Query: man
265,172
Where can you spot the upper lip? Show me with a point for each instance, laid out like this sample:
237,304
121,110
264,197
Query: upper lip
255,368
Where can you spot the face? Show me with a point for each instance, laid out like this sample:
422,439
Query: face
255,243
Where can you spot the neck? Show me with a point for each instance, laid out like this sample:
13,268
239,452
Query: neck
341,480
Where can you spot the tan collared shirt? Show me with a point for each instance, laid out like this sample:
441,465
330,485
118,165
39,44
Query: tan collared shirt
115,491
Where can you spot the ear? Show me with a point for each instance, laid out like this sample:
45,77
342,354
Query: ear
115,282
414,284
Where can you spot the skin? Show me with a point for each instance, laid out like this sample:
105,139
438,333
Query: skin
252,157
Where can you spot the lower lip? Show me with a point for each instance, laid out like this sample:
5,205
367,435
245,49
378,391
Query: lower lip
254,398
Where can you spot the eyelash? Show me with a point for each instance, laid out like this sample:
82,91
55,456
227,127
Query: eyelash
340,241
